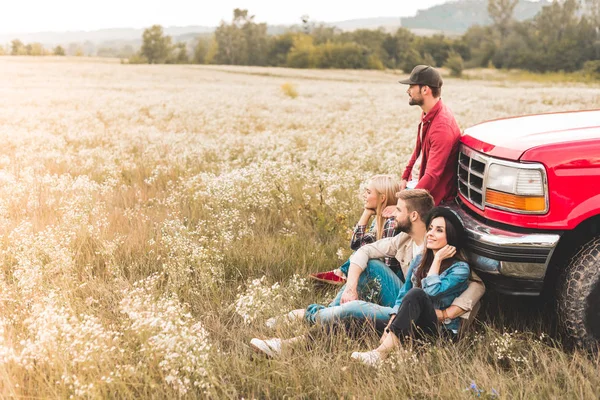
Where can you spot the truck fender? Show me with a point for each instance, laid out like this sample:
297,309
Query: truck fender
583,211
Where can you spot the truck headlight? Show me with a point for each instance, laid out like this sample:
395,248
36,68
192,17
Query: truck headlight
520,189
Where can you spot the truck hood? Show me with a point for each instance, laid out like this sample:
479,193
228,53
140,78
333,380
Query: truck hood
509,138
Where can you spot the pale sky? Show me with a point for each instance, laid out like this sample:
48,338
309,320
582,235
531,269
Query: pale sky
28,16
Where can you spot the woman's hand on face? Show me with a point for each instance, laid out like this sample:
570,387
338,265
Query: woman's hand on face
445,252
349,295
369,211
366,216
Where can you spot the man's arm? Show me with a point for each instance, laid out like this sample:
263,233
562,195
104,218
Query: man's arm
358,262
442,145
413,159
387,247
351,292
464,303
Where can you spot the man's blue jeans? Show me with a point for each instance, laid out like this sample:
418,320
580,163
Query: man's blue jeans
378,288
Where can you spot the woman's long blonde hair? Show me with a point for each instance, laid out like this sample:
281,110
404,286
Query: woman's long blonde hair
386,186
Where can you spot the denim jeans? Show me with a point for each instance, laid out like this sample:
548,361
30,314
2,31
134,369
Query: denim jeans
416,316
378,287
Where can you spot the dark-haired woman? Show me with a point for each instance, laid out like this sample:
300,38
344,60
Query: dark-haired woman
433,281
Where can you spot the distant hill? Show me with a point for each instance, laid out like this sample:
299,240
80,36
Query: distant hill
457,16
388,23
98,36
452,18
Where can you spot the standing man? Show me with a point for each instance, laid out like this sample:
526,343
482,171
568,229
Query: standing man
436,145
437,139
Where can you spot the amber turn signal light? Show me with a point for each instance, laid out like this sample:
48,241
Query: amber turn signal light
514,202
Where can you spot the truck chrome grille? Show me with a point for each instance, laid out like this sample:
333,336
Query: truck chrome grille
471,173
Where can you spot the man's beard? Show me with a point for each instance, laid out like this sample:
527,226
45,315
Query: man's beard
415,101
404,226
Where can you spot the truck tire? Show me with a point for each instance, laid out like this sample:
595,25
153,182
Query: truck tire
579,297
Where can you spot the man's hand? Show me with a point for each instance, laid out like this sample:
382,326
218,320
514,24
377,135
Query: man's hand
440,315
403,184
445,252
349,295
383,337
385,331
388,212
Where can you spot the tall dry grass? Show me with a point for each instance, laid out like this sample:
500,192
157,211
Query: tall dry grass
152,218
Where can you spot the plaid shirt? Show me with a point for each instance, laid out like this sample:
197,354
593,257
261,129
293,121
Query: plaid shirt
362,236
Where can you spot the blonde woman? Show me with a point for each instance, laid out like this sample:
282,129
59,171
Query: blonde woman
381,280
379,193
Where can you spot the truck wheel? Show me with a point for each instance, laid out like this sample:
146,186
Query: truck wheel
579,297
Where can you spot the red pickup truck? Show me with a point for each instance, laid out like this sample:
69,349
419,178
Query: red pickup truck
529,196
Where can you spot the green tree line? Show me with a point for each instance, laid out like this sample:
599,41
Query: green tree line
562,37
18,48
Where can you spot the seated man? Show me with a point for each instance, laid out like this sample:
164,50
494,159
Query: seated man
365,267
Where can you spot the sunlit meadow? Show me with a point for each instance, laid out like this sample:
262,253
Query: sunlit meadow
153,217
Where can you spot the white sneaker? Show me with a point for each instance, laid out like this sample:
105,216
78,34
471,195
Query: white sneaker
370,358
272,322
269,347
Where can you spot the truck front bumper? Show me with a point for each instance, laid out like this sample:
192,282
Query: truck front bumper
510,262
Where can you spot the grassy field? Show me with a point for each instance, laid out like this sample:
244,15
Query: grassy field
152,218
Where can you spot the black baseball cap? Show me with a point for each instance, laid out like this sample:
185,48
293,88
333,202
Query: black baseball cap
424,75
